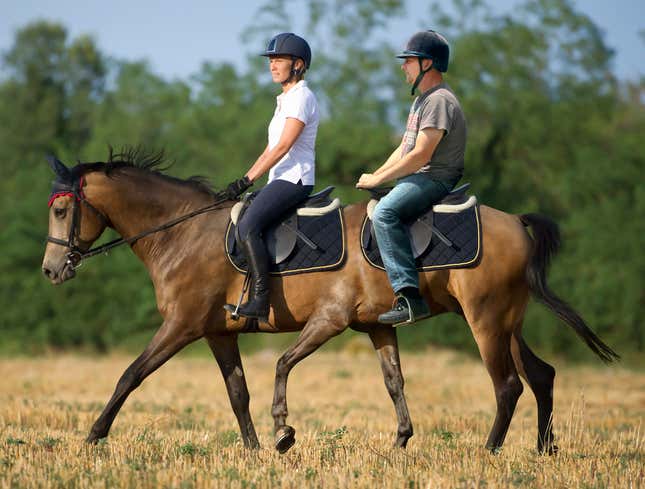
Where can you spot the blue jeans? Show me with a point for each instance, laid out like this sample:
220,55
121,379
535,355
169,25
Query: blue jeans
409,199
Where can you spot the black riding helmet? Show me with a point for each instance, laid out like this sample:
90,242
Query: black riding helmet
289,44
427,45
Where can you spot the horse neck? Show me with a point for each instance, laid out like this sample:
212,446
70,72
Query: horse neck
135,201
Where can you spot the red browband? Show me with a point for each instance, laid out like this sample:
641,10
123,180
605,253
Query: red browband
53,197
59,194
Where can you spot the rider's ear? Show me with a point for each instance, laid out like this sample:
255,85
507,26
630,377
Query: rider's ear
299,67
59,168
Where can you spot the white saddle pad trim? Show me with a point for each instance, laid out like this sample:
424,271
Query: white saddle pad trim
454,209
443,208
235,212
370,207
303,211
319,211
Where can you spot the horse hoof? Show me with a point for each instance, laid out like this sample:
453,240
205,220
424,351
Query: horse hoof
285,438
401,442
92,439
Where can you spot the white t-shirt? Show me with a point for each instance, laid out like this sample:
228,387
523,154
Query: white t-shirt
299,162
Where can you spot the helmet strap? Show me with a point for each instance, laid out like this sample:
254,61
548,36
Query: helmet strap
420,76
293,72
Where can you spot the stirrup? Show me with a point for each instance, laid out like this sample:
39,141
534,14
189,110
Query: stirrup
234,308
410,319
403,306
254,314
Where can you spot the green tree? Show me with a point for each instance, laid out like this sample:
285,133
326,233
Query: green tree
551,130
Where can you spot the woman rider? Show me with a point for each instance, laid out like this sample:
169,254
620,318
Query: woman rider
289,157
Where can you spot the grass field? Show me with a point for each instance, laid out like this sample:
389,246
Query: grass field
177,429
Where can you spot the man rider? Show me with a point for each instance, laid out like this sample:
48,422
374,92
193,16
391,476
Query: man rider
427,165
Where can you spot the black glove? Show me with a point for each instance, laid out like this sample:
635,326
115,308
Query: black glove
238,187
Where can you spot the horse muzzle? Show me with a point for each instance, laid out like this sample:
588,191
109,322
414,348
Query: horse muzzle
58,275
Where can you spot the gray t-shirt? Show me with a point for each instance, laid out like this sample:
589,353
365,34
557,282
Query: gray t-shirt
439,108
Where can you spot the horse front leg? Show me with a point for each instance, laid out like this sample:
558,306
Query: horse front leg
227,353
171,337
387,349
317,331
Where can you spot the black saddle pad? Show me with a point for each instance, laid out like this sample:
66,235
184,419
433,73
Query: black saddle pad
327,232
463,229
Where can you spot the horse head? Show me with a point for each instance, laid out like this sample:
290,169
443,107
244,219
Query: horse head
74,223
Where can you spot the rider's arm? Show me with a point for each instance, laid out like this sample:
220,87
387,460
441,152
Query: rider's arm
292,129
426,143
257,162
394,157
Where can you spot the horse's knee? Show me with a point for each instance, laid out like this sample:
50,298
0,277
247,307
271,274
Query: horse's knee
541,377
130,380
281,367
509,391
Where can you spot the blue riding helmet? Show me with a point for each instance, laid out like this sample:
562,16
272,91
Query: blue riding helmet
289,44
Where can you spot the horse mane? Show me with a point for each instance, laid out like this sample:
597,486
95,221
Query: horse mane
150,161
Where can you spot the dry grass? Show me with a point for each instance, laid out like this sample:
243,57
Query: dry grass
177,429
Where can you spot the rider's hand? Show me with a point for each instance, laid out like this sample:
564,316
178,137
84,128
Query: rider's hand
238,187
368,180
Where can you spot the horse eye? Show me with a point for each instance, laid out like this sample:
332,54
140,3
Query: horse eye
60,212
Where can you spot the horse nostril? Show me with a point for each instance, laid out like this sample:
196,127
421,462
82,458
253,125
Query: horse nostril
48,273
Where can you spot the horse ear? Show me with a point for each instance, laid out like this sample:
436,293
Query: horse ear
59,168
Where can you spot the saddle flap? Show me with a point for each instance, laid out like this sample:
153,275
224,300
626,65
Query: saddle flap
420,232
281,239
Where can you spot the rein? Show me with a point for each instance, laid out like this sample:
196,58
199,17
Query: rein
119,241
75,256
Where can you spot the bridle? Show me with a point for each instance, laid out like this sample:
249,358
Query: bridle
77,246
79,249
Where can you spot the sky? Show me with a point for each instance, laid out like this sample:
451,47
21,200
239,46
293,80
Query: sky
178,36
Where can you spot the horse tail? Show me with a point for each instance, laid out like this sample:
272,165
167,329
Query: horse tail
546,243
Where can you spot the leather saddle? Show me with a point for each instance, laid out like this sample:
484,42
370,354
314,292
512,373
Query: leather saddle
422,229
281,238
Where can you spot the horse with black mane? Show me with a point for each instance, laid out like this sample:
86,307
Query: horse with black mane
176,226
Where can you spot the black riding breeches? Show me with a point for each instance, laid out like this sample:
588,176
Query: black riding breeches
270,204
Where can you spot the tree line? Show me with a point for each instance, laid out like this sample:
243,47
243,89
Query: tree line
551,130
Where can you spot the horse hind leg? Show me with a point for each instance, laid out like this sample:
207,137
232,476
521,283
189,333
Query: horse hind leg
540,376
495,350
386,346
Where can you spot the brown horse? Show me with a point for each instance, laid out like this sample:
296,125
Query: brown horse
193,279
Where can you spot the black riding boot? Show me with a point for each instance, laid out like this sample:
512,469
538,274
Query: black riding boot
258,262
